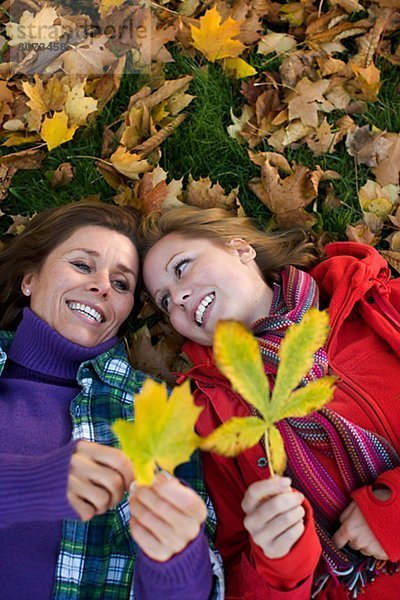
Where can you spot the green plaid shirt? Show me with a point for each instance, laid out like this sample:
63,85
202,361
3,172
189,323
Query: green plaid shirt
96,559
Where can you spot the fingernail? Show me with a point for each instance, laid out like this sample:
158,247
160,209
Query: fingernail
285,482
132,487
164,474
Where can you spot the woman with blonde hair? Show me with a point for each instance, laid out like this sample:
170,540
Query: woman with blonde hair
342,479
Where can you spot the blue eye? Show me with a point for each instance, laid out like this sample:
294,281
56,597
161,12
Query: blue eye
82,266
120,285
164,303
179,267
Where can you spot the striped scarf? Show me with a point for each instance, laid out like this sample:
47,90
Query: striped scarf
360,456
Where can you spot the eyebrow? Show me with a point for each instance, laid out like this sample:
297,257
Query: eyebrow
171,259
120,266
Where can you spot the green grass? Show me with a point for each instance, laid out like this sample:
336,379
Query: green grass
202,146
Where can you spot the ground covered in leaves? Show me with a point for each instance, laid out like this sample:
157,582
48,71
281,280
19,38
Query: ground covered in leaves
287,111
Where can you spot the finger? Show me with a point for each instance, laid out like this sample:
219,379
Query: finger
272,507
148,542
263,489
347,512
92,473
85,510
175,537
285,542
181,497
277,526
96,495
341,537
177,520
111,457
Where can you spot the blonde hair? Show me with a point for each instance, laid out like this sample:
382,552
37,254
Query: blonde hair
274,250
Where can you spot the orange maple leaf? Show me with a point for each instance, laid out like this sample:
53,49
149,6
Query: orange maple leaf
215,39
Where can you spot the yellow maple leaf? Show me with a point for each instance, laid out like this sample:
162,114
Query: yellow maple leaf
215,39
238,357
44,97
368,79
55,130
78,106
163,432
234,436
130,165
239,68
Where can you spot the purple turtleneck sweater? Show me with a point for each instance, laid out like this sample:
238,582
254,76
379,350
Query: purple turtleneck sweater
37,387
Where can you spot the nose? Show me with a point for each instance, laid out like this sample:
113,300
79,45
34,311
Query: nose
180,296
100,284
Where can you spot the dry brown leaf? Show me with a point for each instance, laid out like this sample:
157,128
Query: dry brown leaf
361,233
157,355
393,258
368,43
90,57
18,225
242,11
6,98
205,194
168,89
323,140
62,175
367,146
151,45
35,28
307,100
275,159
6,175
349,6
155,193
286,198
388,168
151,144
295,131
395,218
24,159
394,241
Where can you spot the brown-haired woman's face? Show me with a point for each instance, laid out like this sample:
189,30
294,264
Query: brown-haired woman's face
85,288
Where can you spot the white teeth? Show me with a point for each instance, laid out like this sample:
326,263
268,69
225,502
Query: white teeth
86,310
202,308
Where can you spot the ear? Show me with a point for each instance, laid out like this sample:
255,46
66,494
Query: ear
245,252
26,284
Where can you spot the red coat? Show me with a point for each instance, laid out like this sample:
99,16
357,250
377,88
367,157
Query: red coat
364,349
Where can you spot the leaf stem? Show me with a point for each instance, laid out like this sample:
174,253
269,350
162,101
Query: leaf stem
268,453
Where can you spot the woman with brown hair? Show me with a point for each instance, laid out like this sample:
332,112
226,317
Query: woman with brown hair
67,526
201,266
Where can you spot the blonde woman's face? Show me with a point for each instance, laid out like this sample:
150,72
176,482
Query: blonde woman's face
85,288
197,282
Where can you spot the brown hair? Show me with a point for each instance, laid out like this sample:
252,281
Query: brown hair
274,250
47,230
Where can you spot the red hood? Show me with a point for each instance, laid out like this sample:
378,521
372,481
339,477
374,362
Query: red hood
350,270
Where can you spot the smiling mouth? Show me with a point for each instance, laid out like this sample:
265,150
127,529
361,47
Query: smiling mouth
202,307
86,310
